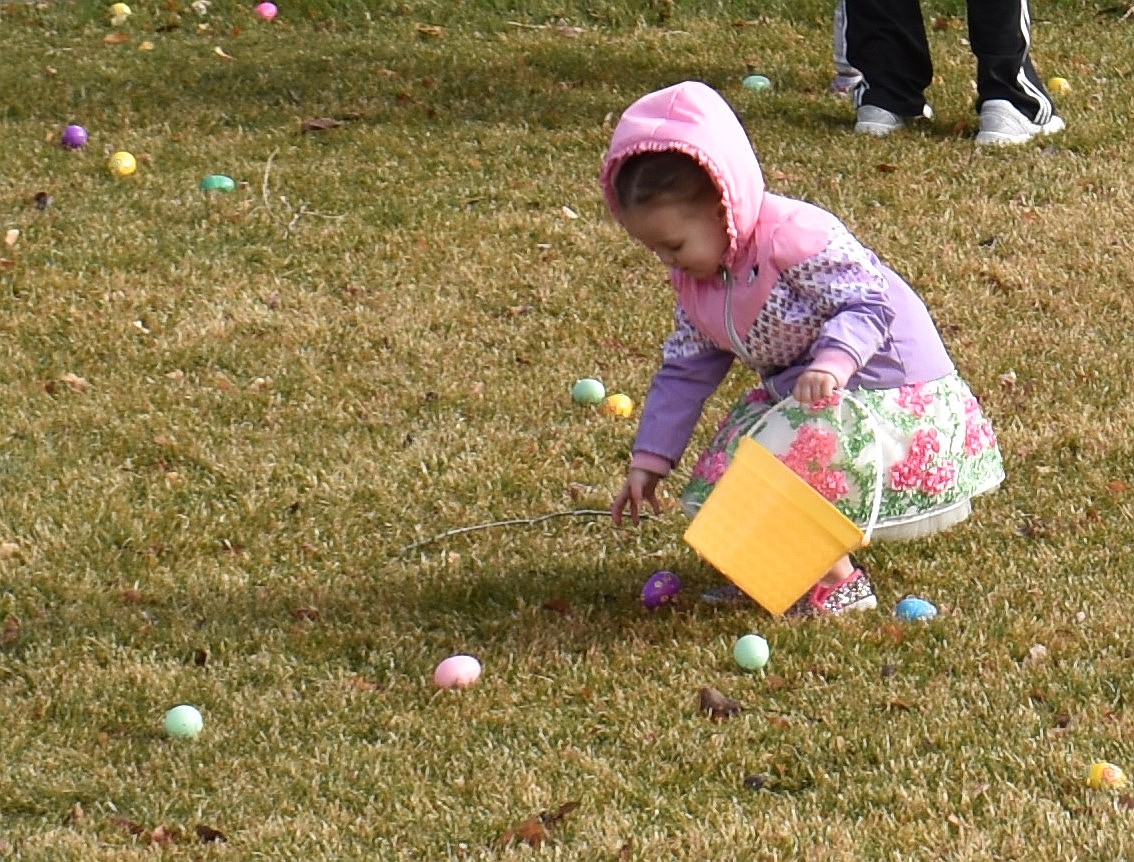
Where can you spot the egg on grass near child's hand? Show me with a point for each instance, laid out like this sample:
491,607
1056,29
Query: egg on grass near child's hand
660,588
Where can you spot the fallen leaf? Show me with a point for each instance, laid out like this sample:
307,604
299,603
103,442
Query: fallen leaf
431,31
146,46
898,704
1126,802
132,596
115,38
208,835
1117,486
756,782
129,825
560,606
11,236
886,168
570,213
774,682
309,614
219,51
537,828
161,835
718,705
11,631
7,263
320,124
75,382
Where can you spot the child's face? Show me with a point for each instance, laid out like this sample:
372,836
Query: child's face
689,237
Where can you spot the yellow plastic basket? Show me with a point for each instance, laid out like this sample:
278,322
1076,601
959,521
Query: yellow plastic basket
770,532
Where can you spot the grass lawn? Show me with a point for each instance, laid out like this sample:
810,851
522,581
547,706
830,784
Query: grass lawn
242,431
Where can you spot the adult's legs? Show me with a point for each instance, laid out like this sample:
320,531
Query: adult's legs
1000,36
886,42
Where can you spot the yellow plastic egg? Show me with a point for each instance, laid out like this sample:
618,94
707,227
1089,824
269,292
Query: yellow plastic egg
618,405
122,164
1058,85
1106,776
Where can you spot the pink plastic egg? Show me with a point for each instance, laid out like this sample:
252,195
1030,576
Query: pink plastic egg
457,671
661,587
267,11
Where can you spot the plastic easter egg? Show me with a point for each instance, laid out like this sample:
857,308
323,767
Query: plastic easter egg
588,390
267,11
757,82
457,671
751,652
218,183
122,164
183,722
913,608
1106,776
119,12
660,588
618,405
1058,85
74,137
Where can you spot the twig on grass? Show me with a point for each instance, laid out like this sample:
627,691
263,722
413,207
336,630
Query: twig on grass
296,214
509,522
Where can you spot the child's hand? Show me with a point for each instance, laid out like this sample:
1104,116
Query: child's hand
639,486
814,386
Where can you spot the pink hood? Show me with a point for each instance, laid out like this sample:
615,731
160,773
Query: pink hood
767,233
693,119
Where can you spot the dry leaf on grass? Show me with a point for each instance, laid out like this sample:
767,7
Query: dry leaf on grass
431,31
115,38
11,631
319,124
10,237
220,52
560,606
537,828
75,382
718,705
209,835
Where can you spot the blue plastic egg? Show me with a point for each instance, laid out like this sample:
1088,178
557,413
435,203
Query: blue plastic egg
914,608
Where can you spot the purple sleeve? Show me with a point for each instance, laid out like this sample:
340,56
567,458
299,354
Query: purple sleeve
692,369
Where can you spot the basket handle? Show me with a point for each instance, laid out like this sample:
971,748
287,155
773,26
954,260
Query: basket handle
871,420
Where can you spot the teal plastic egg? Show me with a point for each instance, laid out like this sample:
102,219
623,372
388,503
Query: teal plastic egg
757,82
914,608
218,183
588,391
183,722
751,652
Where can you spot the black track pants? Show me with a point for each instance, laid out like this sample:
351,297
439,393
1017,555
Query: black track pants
886,41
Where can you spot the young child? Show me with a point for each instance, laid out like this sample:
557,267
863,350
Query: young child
785,288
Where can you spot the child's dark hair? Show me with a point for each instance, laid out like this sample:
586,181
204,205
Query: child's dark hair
668,176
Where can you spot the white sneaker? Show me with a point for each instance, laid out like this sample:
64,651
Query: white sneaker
1002,123
872,120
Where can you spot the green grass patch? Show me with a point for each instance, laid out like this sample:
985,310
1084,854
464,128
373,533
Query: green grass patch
242,429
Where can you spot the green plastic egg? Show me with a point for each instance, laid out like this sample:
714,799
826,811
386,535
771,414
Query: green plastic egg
751,652
589,390
757,82
218,183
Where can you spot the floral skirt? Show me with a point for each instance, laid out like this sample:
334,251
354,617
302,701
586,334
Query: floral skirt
937,452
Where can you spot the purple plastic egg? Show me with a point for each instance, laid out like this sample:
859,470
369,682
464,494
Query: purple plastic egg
660,588
74,137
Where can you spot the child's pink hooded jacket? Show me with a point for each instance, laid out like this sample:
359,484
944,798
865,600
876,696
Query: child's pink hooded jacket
797,291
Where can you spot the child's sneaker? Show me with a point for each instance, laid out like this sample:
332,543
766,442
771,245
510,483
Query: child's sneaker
1002,123
855,593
